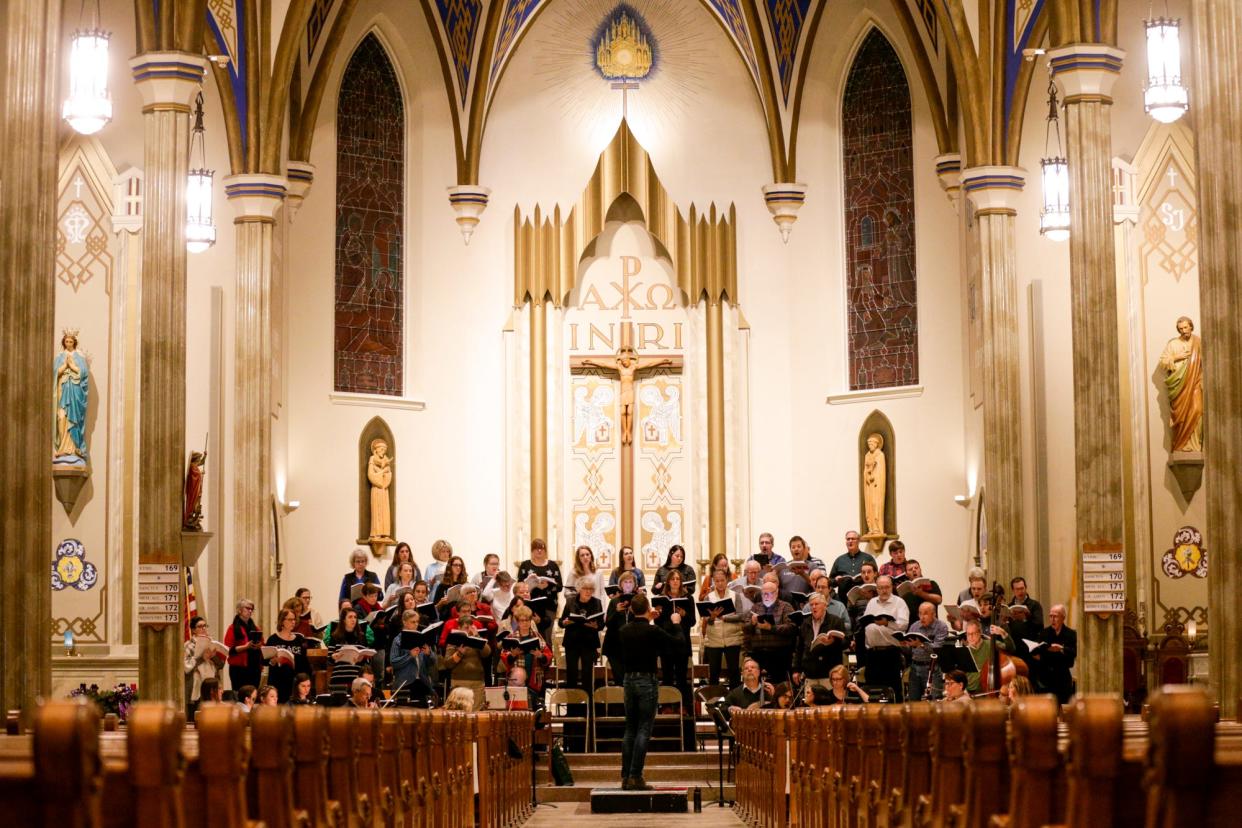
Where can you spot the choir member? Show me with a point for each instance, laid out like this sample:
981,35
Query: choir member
308,619
800,550
1057,655
845,690
955,687
412,669
921,651
628,563
752,691
919,593
402,554
441,550
818,650
454,575
767,556
358,574
719,561
345,632
582,619
499,593
983,651
464,662
545,584
360,693
675,661
614,619
462,699
302,687
769,632
244,640
584,567
722,637
279,672
848,565
202,660
268,695
895,566
407,577
823,585
532,663
676,561
491,568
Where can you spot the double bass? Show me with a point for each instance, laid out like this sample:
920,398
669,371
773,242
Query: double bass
1004,667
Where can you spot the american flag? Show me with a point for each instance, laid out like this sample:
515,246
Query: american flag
191,604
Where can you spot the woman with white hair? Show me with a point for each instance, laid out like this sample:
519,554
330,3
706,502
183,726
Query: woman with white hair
357,574
582,619
244,640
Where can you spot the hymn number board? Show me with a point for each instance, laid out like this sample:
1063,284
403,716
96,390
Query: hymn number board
1103,578
159,594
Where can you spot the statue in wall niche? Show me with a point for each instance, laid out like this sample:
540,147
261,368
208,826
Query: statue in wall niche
379,473
1182,359
192,506
874,482
71,373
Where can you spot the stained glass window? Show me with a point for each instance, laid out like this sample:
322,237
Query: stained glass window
370,207
881,296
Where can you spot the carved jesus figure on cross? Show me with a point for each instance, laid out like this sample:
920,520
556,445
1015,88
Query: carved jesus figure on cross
627,363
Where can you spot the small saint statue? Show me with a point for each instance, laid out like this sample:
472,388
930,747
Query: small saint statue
874,480
192,508
1182,361
71,399
379,473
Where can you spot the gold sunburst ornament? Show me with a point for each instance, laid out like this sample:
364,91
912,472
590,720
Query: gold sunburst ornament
622,52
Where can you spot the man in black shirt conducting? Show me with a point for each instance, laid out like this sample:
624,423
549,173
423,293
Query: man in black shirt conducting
642,643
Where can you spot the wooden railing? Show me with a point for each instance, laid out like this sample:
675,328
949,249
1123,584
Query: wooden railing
278,767
986,765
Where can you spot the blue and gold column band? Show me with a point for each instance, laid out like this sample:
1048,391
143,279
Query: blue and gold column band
167,80
994,189
1086,71
255,196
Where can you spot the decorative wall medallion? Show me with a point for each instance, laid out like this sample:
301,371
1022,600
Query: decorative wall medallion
70,568
83,226
1187,557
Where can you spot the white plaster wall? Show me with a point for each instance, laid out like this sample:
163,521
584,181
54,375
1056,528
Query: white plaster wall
820,454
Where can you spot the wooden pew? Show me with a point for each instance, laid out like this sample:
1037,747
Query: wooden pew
143,769
1036,790
270,789
220,768
1193,766
948,768
391,762
882,794
866,787
383,800
986,762
848,756
1094,766
916,763
344,734
53,775
310,768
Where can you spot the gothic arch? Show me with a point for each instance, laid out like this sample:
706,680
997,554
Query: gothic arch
376,428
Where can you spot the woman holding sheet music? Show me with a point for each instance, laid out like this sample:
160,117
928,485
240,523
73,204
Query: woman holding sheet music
465,654
628,564
244,640
546,583
582,620
719,561
286,651
407,576
345,637
402,554
584,567
722,639
676,600
527,651
675,562
454,576
358,574
614,620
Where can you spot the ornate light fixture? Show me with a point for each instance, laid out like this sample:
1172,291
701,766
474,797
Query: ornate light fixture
1164,96
88,108
1054,216
200,230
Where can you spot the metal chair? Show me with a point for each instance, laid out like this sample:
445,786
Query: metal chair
667,696
604,698
558,705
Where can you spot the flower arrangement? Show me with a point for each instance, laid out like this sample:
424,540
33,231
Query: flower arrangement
118,700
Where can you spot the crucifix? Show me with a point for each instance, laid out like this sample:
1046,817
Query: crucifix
626,364
625,87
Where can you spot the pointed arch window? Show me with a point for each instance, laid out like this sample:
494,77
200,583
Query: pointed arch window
881,295
370,215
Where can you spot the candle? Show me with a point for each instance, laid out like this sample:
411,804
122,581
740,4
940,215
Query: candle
556,554
703,542
737,540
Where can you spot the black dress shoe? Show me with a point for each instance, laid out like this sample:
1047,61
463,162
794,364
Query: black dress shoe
640,784
627,784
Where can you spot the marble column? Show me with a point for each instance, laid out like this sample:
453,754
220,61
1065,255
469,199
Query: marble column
31,37
1216,99
994,191
715,427
539,422
1085,74
255,199
167,82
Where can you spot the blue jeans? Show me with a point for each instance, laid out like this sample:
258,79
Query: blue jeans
641,692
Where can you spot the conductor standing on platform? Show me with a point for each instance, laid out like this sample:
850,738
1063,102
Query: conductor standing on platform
642,643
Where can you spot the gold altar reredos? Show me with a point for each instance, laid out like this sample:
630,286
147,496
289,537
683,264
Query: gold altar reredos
702,247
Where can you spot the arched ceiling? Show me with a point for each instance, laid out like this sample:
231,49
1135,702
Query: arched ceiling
969,62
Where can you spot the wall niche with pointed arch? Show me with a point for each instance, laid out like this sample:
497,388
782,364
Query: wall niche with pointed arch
376,428
878,423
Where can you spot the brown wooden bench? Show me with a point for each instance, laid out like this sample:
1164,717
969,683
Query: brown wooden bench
269,787
311,753
53,775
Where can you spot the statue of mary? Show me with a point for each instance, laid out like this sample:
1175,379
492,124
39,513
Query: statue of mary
72,397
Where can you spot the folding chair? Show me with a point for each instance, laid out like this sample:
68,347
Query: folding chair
607,700
667,696
558,705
